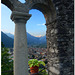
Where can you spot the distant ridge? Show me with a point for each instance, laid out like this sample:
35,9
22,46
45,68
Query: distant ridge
8,40
10,35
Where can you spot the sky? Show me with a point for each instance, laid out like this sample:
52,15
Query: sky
34,26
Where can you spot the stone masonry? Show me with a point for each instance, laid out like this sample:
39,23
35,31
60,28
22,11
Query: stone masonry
59,15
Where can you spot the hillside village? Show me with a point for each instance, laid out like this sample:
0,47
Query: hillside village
33,53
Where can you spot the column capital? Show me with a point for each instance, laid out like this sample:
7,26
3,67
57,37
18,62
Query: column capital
20,16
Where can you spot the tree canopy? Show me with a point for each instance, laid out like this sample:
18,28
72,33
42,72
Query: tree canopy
6,61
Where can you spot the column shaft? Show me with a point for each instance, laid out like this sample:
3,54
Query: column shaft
20,43
20,50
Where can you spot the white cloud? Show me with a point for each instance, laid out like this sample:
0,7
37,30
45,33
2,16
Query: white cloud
41,24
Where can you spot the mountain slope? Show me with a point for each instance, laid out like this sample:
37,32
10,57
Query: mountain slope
31,40
43,39
7,41
10,35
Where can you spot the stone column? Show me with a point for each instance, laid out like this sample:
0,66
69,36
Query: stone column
20,43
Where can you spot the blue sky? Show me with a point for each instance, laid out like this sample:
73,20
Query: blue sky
35,25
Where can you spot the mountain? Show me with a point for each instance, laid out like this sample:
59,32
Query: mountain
7,41
10,35
43,39
31,40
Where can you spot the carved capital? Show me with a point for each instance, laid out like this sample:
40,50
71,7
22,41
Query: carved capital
20,16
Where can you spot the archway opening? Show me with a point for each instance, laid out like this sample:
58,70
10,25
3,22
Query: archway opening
50,16
37,22
36,31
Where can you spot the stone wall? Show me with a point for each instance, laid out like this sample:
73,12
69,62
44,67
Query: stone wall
60,39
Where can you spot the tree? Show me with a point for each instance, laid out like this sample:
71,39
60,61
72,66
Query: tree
6,62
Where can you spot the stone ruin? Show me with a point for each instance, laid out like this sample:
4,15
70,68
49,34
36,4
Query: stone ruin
59,16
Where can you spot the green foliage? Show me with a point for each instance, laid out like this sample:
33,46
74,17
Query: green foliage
7,41
6,62
2,45
42,71
35,62
41,62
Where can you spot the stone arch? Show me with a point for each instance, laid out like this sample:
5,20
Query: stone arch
46,7
50,17
8,4
45,10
